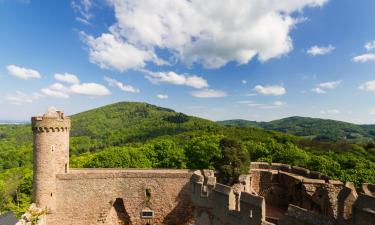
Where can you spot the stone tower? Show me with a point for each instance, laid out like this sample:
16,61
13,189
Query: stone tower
51,155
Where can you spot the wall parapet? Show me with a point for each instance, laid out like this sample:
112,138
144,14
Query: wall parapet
234,205
78,174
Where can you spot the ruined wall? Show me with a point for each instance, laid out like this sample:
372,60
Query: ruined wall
364,207
311,197
218,204
100,196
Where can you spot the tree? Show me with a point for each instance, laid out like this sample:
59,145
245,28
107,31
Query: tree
234,161
203,151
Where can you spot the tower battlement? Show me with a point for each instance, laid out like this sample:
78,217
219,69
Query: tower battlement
52,121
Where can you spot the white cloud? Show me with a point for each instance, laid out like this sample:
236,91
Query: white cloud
270,90
320,50
330,112
67,77
111,52
321,88
364,58
244,81
89,89
121,86
161,96
209,93
20,98
370,45
330,84
211,32
176,79
318,90
22,72
368,86
274,105
82,8
56,90
372,111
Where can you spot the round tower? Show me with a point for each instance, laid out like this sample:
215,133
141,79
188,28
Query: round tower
51,155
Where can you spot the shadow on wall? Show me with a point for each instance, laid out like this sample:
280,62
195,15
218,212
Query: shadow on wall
118,214
182,214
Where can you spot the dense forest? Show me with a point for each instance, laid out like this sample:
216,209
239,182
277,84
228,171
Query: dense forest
313,128
144,136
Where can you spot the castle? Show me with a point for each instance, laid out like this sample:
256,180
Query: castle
269,194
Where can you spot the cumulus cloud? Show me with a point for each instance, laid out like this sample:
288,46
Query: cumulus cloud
111,52
368,86
209,93
59,90
270,90
364,58
161,96
318,90
176,79
274,105
211,32
320,50
56,90
330,112
330,84
121,86
370,45
322,87
89,89
244,81
22,72
20,98
67,77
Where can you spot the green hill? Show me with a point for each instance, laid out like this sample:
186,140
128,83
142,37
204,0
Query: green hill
133,134
317,129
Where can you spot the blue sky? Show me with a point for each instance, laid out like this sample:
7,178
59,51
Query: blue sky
256,60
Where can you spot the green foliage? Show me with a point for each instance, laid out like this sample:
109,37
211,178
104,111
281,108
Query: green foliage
234,161
318,129
203,151
145,136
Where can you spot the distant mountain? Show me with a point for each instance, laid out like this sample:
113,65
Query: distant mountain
240,123
317,129
15,122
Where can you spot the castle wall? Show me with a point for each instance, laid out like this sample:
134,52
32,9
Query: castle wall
88,196
218,204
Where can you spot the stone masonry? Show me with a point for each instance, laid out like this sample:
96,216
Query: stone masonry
269,194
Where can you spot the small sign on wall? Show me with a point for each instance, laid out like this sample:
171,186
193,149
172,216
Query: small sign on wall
147,214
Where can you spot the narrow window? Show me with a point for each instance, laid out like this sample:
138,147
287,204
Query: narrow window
251,213
66,167
52,148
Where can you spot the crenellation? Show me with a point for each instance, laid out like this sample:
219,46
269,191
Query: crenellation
270,194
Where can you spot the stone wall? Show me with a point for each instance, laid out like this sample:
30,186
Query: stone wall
51,155
218,204
295,196
100,196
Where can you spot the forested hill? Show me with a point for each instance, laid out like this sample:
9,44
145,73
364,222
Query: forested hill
140,135
126,122
317,129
